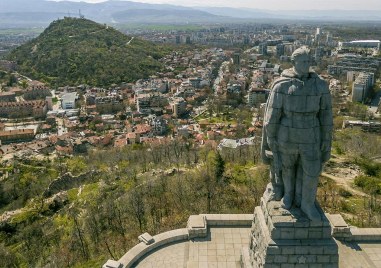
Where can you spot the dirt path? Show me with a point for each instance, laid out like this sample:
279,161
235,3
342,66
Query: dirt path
9,214
343,173
345,183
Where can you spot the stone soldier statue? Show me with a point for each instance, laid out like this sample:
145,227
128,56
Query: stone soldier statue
297,134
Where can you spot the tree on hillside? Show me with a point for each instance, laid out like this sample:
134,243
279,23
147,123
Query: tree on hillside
214,177
137,205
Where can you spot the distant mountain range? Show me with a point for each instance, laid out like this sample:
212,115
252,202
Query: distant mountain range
247,13
24,13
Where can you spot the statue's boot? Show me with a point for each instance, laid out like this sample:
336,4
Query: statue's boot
286,201
289,189
275,187
278,192
311,211
308,199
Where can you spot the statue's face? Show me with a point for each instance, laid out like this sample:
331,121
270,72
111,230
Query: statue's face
302,65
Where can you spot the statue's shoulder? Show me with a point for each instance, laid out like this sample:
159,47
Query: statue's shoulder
281,82
321,84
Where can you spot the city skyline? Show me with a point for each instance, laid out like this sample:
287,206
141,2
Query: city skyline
269,4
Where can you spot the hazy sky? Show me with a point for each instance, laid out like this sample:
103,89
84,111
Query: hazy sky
272,4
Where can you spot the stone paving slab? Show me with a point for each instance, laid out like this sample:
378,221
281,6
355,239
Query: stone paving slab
170,256
359,255
220,249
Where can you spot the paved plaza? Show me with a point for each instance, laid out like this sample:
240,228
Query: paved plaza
359,255
222,249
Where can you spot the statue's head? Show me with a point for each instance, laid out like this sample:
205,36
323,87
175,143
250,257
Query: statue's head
301,60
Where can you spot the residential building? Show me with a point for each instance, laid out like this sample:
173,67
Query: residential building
7,96
361,86
36,108
267,67
68,100
262,48
360,43
157,124
366,126
8,65
341,69
257,96
236,58
145,102
16,135
234,87
178,106
49,102
109,104
38,92
195,82
350,62
280,50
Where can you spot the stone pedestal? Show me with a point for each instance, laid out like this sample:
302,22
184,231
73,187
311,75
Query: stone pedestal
283,239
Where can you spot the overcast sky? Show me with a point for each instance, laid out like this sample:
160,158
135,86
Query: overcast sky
272,4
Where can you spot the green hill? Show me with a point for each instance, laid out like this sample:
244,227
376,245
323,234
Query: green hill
74,51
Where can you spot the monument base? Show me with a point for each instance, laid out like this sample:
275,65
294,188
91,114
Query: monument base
282,238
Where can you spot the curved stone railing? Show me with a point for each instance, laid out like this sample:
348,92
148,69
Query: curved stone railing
196,227
141,249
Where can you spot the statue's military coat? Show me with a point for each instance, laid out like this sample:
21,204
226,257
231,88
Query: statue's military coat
298,118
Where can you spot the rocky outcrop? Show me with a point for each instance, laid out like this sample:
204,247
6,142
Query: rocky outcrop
68,181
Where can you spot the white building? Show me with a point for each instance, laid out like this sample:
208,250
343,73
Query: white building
68,100
360,43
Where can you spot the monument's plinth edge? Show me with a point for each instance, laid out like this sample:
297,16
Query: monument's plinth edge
305,244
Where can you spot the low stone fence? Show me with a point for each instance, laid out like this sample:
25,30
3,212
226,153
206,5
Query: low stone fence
342,231
141,249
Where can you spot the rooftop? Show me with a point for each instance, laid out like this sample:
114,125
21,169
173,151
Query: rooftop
69,97
13,132
368,41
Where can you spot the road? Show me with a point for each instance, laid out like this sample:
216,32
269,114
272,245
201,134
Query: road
130,40
61,128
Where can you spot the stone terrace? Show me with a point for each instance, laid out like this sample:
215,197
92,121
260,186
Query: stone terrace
225,236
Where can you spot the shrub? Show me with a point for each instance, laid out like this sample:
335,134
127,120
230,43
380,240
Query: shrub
344,193
369,184
369,167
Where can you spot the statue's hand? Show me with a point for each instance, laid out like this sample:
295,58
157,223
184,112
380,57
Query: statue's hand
325,151
273,145
325,146
325,156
